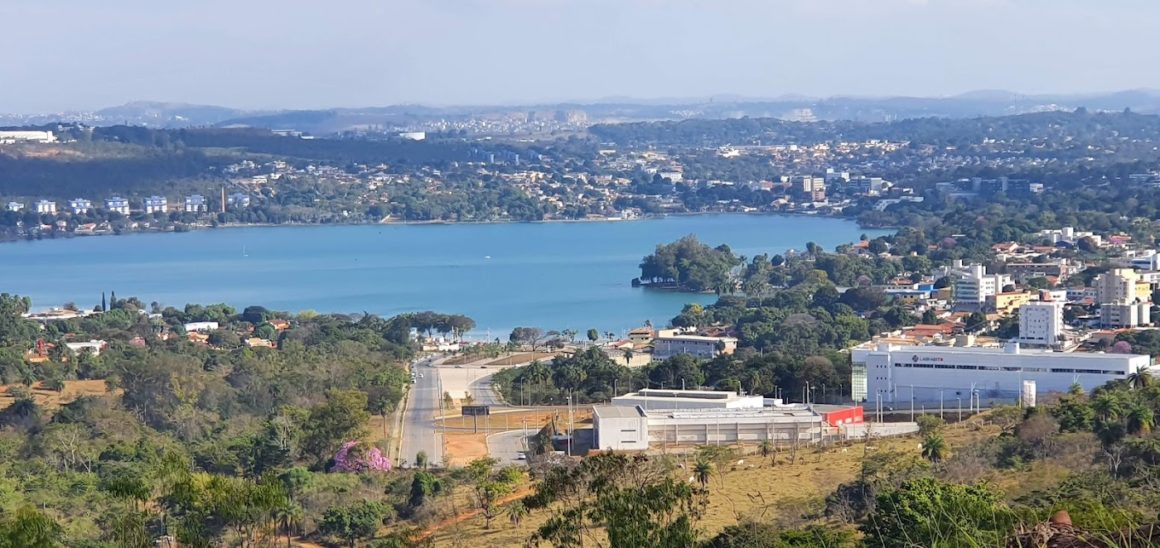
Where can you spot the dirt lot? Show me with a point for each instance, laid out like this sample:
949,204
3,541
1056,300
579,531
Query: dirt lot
51,400
464,448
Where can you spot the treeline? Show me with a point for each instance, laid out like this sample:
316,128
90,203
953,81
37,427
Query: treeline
1065,132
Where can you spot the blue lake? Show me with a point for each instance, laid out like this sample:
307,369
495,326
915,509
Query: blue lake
550,275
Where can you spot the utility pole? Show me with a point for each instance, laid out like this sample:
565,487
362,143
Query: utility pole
912,403
571,425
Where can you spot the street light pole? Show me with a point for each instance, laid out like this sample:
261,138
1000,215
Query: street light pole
912,403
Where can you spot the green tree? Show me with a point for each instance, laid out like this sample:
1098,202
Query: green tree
927,512
593,335
350,523
30,528
343,417
703,470
934,447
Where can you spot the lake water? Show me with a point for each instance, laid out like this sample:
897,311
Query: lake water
549,275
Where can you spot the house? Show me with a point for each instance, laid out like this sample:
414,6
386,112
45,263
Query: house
46,207
80,206
196,327
15,206
238,200
117,204
195,204
694,345
642,336
256,342
156,204
280,325
93,347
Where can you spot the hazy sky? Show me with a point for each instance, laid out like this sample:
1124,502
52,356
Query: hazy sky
74,54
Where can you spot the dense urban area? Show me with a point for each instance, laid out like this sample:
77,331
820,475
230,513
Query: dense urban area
980,376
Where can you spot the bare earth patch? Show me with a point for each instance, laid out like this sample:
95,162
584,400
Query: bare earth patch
52,400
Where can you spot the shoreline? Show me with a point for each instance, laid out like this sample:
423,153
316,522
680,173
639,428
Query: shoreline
198,228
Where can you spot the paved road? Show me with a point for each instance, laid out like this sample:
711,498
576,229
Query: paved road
419,432
483,393
507,446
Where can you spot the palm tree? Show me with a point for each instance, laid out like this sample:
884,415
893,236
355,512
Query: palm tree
766,448
1140,419
516,512
288,516
934,447
1109,405
1139,379
703,470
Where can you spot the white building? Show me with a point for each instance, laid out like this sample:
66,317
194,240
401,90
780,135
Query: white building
156,204
80,206
650,399
195,204
1041,323
1119,300
894,374
694,345
1069,235
633,428
413,135
238,200
11,137
46,206
1125,315
973,285
93,347
117,204
192,327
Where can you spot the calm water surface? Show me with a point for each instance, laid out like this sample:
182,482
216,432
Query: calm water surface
551,275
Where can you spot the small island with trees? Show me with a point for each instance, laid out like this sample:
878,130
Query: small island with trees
688,265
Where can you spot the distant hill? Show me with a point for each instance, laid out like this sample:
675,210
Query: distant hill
608,110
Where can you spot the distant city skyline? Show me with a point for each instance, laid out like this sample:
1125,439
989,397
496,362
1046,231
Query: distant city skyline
267,54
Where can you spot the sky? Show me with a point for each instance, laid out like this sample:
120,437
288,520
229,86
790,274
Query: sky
273,54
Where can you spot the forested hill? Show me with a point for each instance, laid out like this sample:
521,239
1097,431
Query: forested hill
1073,128
135,161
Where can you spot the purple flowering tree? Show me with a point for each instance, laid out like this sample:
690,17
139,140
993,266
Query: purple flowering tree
355,456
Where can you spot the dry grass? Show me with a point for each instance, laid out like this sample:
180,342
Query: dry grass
52,400
756,488
526,357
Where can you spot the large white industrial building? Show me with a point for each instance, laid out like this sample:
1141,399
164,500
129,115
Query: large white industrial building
891,373
653,400
10,137
624,427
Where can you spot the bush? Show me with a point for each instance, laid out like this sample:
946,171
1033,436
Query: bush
929,424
